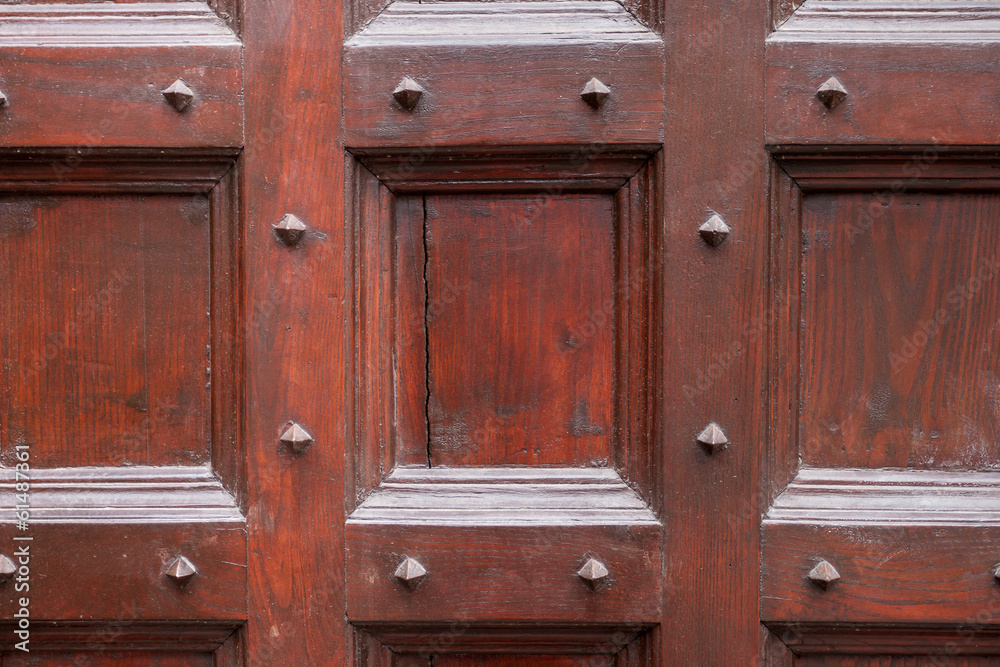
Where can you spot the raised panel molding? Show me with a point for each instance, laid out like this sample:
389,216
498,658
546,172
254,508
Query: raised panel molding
915,547
503,73
574,511
915,73
93,66
119,527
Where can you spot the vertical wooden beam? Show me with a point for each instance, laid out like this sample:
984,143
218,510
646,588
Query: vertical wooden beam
715,354
297,334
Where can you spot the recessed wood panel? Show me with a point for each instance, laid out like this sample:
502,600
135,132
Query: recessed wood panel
942,657
106,328
519,316
99,658
899,330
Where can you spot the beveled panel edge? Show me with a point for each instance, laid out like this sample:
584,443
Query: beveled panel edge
106,495
114,25
889,496
591,167
504,496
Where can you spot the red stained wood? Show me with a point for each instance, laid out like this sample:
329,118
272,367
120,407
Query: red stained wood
108,659
907,384
503,575
520,300
521,84
107,337
903,87
296,309
97,72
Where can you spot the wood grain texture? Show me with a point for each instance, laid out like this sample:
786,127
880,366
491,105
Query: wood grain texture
108,659
595,167
714,361
503,74
903,87
299,338
126,494
502,644
105,351
97,72
503,574
128,560
522,496
520,295
910,383
916,574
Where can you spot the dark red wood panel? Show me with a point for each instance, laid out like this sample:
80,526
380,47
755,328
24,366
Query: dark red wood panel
107,659
503,575
129,560
91,74
502,74
520,308
106,343
915,74
900,303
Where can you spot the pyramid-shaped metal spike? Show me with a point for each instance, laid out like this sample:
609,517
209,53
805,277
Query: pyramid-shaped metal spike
714,230
593,572
178,94
407,93
996,573
7,569
3,98
296,438
410,572
181,570
824,574
289,229
594,93
712,438
831,93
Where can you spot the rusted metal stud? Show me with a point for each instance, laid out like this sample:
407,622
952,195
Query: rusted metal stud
712,438
714,230
410,572
296,438
289,229
593,572
831,92
178,94
594,93
407,92
181,570
824,574
8,568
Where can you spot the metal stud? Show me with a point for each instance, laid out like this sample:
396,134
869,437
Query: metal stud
181,570
996,573
289,229
831,93
714,230
594,93
296,438
593,572
712,438
824,574
7,568
3,99
178,94
410,572
407,93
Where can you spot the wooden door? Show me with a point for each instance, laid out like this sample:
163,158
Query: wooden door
458,333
